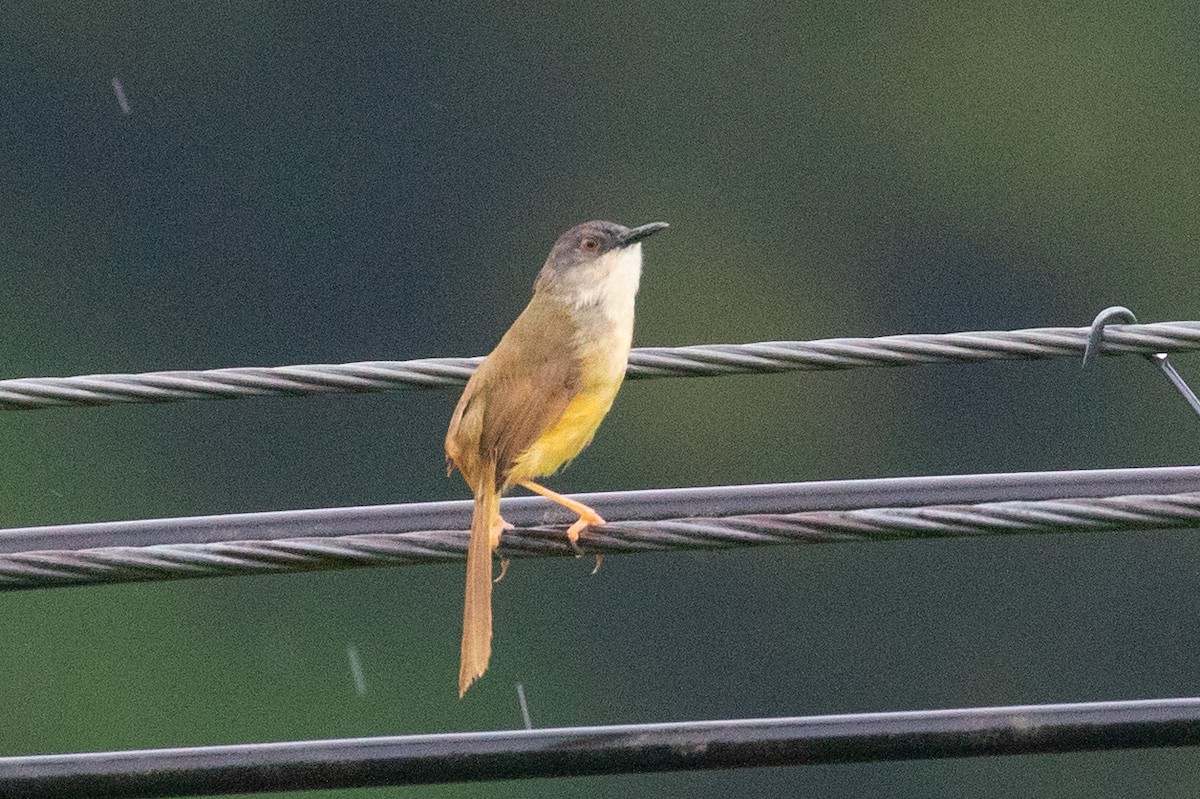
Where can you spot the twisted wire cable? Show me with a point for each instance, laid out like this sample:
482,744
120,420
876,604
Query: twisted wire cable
646,504
648,362
54,568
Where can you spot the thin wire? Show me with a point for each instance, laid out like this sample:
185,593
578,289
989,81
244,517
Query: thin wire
525,717
649,362
356,670
1159,359
56,568
617,749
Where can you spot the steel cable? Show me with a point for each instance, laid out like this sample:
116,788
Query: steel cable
614,749
54,568
648,362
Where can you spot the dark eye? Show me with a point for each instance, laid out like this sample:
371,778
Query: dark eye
590,243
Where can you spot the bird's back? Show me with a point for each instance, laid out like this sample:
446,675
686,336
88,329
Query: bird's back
519,392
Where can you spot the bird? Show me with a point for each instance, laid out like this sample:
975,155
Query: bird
537,399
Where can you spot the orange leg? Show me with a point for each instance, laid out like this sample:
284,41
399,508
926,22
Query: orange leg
587,516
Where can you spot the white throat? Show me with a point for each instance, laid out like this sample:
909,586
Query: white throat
616,286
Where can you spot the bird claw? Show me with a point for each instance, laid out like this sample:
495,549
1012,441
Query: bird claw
574,542
581,524
494,538
503,570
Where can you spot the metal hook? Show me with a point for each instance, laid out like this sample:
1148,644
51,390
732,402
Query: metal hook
1096,338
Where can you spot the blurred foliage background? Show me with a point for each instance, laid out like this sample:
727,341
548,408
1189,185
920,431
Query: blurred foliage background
312,182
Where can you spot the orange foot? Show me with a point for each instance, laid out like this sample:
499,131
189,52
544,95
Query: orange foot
503,570
494,538
495,542
587,516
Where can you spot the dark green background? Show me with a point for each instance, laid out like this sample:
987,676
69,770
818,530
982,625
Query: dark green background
319,183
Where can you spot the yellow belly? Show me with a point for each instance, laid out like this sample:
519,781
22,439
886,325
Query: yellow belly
567,438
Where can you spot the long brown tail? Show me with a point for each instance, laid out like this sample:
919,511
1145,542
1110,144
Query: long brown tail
477,606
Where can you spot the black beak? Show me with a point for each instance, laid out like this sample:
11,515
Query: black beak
639,233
